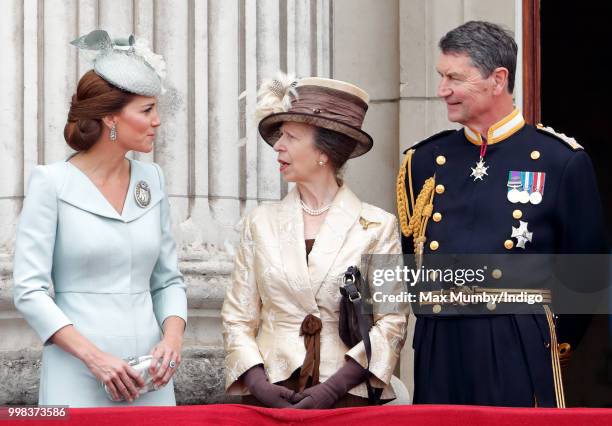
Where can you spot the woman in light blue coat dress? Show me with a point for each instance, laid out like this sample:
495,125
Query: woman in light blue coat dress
97,228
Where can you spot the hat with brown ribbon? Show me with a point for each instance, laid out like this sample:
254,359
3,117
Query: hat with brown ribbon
331,104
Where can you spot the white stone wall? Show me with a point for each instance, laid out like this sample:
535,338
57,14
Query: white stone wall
366,47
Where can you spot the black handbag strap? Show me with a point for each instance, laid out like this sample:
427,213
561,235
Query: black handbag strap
352,277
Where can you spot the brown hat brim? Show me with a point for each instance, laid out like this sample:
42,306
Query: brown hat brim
270,125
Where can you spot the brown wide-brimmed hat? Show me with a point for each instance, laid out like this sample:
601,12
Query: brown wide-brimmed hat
331,104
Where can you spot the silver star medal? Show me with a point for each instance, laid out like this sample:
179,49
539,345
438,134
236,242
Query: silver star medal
521,234
480,170
142,194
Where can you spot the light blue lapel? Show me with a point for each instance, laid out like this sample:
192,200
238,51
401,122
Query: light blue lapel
147,173
79,191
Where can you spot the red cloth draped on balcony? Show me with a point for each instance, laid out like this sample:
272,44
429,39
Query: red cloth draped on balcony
415,415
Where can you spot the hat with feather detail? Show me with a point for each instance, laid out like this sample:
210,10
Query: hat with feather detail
126,63
330,104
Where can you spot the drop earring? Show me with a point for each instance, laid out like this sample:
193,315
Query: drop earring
113,133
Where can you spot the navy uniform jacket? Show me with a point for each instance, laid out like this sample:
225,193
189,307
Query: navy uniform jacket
499,359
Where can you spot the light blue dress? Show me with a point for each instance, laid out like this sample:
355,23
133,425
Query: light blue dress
115,276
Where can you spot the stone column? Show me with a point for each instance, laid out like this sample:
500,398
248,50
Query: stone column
366,42
11,83
268,25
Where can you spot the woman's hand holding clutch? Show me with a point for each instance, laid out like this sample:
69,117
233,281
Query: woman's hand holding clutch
122,381
166,359
167,353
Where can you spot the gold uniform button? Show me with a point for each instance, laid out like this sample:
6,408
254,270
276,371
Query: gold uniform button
440,189
491,306
496,273
564,348
517,214
433,275
440,160
509,244
434,245
437,217
535,155
436,309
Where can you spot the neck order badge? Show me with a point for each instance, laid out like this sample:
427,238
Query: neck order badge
480,170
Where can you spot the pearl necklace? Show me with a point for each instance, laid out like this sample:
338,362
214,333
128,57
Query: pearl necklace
314,212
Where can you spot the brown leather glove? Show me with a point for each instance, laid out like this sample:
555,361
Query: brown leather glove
325,395
267,393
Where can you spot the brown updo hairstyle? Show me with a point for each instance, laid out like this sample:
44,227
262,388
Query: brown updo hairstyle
94,99
337,146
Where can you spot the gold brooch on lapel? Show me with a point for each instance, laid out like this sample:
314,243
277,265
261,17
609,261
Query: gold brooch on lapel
366,224
142,194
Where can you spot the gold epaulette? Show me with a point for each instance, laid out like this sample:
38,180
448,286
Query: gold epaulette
403,208
413,216
561,136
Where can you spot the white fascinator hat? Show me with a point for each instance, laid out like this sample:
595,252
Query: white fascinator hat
126,63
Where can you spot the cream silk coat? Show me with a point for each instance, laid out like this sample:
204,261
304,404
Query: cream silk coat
115,276
273,288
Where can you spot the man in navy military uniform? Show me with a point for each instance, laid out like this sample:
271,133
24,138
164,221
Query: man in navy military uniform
496,186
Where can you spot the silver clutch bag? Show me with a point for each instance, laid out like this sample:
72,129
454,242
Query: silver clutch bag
141,364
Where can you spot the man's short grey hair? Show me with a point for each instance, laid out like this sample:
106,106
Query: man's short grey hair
488,45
